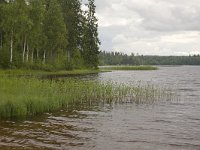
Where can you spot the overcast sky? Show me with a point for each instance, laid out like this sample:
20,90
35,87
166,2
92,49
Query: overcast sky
150,27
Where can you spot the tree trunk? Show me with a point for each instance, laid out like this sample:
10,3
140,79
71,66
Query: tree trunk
51,54
32,56
1,46
27,53
24,50
37,53
68,56
44,57
11,47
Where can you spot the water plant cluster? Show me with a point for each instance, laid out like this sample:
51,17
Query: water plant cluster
25,97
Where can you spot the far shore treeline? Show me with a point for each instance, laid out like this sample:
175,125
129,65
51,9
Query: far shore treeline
117,58
48,34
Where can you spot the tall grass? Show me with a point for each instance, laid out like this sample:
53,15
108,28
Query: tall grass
21,98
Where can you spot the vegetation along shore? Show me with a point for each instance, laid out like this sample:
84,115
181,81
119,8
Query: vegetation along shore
42,73
24,97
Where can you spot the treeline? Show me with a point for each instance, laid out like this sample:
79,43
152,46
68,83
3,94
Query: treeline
48,34
116,58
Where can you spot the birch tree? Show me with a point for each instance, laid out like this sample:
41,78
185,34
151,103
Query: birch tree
9,25
55,31
37,34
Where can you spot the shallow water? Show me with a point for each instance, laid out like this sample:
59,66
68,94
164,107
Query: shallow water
172,125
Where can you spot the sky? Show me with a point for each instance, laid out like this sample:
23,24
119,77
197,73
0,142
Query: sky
149,27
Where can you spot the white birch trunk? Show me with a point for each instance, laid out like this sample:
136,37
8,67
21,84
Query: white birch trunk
32,56
27,53
11,47
37,53
24,50
44,57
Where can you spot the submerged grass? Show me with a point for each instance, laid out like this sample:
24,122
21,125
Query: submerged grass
129,68
21,98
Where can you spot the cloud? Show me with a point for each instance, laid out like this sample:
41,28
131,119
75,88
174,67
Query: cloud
166,16
157,27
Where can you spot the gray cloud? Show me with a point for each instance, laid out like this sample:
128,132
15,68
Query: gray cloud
167,16
157,27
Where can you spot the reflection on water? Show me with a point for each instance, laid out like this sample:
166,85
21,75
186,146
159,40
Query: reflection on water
164,125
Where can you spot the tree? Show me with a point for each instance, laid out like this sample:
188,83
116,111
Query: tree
90,37
72,12
9,25
37,35
55,31
2,3
24,26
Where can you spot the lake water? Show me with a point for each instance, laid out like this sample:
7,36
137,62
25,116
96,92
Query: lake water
171,125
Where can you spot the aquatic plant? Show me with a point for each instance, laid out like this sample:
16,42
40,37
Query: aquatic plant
22,97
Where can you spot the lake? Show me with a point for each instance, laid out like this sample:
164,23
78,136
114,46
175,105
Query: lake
169,125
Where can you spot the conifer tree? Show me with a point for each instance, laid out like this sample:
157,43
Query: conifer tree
90,37
72,11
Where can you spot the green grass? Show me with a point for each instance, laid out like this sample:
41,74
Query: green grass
129,68
23,72
39,73
21,98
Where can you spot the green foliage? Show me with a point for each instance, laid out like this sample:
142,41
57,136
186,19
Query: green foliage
37,38
55,29
47,33
4,58
72,17
90,37
78,61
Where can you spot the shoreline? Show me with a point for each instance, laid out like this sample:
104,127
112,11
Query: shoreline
41,73
71,73
128,68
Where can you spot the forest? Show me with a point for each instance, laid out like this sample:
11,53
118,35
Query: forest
48,34
117,58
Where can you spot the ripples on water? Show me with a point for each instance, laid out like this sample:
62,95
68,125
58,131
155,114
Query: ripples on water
162,126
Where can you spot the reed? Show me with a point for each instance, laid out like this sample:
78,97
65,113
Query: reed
21,98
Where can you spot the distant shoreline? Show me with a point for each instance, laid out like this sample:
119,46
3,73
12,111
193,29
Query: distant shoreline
127,67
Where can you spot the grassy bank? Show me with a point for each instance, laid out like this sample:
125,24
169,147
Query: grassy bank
129,68
21,98
38,73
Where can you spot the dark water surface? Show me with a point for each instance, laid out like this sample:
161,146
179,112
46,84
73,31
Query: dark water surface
173,125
